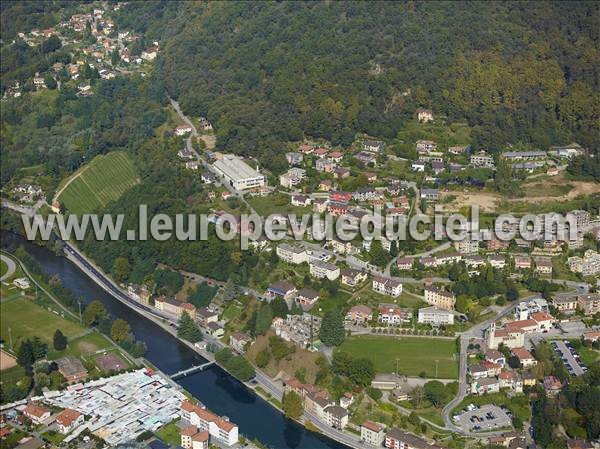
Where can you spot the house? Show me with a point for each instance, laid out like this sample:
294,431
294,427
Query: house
387,286
300,200
436,316
325,185
359,314
398,439
321,152
467,246
22,283
325,165
458,149
371,177
552,385
353,277
373,146
424,115
320,205
71,368
512,380
336,416
482,159
426,146
565,304
474,261
336,156
205,316
495,244
592,336
305,148
439,297
495,356
590,303
418,166
307,298
36,413
283,289
214,330
67,420
497,260
291,253
404,263
524,155
320,270
568,151
430,194
340,246
365,194
190,309
485,385
522,262
437,167
448,258
543,266
182,130
492,369
341,172
525,357
544,321
372,433
239,341
529,379
391,314
192,438
477,371
294,158
369,159
346,400
221,429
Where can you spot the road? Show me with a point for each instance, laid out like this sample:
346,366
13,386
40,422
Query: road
476,331
200,159
12,266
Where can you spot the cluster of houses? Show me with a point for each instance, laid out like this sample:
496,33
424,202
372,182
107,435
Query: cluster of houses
98,55
301,330
587,265
375,434
27,193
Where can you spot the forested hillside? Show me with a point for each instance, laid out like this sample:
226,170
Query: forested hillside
267,72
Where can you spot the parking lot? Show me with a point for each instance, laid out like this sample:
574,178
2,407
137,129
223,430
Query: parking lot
486,417
569,357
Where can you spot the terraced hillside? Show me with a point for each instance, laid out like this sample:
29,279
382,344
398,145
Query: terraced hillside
97,183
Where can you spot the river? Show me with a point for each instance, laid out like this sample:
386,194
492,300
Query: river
219,391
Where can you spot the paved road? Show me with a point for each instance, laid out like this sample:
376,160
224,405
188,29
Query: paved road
12,266
200,159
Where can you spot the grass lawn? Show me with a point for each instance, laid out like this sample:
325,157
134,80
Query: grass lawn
415,355
26,319
588,355
276,204
83,346
13,374
3,267
324,305
99,182
170,433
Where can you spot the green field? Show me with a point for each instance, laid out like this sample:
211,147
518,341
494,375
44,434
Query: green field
99,182
26,319
3,267
414,355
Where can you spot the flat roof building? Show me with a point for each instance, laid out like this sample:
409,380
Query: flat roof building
239,174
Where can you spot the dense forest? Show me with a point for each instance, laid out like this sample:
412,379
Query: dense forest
268,72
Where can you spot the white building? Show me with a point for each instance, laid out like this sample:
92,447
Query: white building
482,159
387,286
320,269
219,428
291,254
239,174
372,433
435,316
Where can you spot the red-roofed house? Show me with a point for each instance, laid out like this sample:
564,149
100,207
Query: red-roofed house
524,356
36,414
68,419
219,428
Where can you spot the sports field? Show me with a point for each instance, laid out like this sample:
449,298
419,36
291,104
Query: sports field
25,319
97,183
414,354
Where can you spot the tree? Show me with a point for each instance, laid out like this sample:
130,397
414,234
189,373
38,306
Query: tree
50,82
361,371
51,44
292,405
341,362
25,356
115,59
94,311
332,331
436,392
38,348
374,393
121,269
263,358
188,329
59,340
120,330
